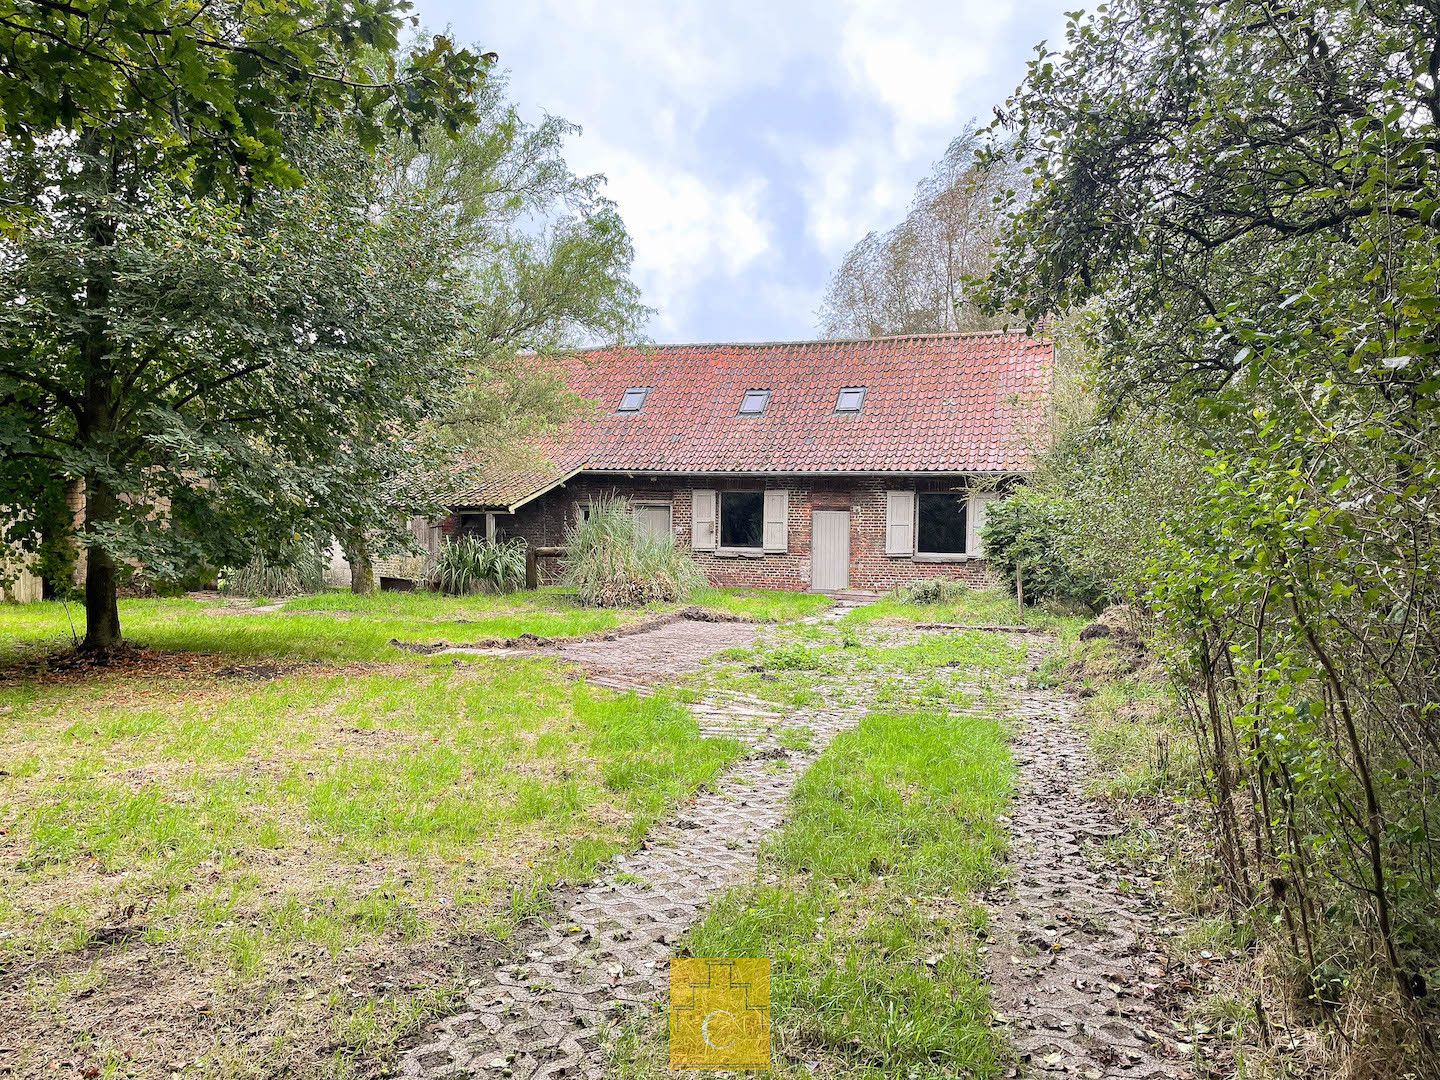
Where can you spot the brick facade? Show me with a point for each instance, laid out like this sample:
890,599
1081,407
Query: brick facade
543,522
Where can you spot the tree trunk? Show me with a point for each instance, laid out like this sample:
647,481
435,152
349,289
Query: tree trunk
98,414
362,571
102,608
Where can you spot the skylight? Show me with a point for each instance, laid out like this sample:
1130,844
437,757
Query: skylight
633,399
850,399
754,402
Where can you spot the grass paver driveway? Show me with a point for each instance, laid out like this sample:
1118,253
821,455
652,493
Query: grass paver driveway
272,841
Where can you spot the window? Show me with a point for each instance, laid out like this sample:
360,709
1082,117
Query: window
754,402
850,399
742,519
654,521
633,399
940,523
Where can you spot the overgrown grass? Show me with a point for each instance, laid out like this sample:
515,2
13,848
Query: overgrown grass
321,826
761,605
788,668
867,915
610,562
968,607
326,626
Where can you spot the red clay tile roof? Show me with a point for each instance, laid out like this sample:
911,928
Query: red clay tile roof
941,403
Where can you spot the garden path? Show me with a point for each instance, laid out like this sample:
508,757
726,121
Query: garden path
1077,963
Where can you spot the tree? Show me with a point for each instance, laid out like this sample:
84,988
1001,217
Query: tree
544,262
918,277
250,355
1245,196
206,91
183,334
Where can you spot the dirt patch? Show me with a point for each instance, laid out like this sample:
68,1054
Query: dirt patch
535,642
148,1007
71,666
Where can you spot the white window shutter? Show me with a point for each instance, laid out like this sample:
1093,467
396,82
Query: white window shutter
703,520
979,506
899,523
777,521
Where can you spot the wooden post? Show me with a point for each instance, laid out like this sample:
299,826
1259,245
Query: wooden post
532,568
1019,592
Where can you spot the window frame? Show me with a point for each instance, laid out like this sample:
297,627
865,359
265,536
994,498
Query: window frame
643,391
859,403
963,498
656,504
765,396
720,545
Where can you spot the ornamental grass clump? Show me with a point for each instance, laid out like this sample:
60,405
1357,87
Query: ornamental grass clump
611,563
294,573
474,564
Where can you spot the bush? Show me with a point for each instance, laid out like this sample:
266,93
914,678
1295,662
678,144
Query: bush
299,571
610,564
1033,530
474,564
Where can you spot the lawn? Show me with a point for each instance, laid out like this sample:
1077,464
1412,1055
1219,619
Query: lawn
972,607
342,626
274,843
279,853
327,626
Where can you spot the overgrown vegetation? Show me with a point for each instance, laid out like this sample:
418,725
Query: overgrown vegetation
276,867
1234,208
1029,536
302,571
479,564
864,899
610,562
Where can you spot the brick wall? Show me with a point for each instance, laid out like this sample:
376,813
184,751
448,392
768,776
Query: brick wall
544,521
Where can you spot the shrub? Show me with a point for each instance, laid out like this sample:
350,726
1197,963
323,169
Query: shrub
1033,530
610,564
474,564
294,573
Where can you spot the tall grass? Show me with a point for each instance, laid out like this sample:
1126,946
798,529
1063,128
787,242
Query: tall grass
298,572
478,564
611,564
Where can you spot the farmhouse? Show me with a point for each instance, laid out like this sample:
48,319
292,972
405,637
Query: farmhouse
824,465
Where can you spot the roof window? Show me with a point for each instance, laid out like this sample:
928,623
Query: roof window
633,399
850,399
754,402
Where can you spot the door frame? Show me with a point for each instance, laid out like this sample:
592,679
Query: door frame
814,549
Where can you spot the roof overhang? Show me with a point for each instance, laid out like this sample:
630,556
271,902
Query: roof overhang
510,508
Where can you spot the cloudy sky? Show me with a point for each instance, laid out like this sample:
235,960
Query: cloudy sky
749,144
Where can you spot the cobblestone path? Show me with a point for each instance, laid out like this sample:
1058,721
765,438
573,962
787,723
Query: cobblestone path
637,661
1075,960
608,946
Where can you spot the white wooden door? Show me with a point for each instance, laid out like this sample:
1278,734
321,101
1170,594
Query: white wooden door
830,550
654,520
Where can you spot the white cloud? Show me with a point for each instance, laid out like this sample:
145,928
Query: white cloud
918,60
749,144
685,230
